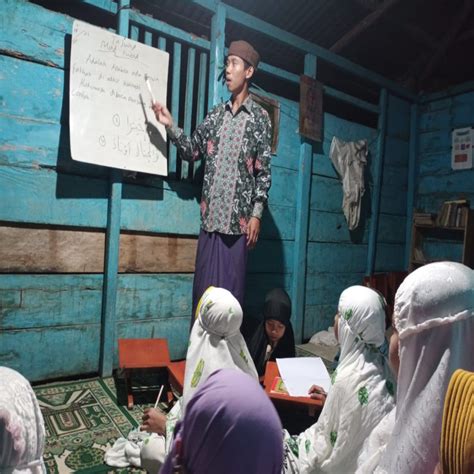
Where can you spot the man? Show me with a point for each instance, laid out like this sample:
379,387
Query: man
234,139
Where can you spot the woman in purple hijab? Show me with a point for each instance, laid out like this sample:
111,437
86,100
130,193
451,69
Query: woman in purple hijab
230,426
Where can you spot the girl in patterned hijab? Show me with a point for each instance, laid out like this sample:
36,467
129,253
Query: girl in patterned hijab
230,426
215,341
360,396
22,433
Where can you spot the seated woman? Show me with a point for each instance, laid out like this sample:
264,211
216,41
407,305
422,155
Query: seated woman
215,343
433,327
273,337
22,433
360,396
230,426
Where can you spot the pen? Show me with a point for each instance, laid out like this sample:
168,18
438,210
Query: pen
159,396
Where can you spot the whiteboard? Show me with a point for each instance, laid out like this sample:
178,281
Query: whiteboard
110,119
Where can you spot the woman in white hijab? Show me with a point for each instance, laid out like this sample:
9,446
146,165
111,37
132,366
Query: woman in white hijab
22,432
215,343
434,327
361,394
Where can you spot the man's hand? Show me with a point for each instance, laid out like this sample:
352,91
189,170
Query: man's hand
153,421
253,229
162,114
317,393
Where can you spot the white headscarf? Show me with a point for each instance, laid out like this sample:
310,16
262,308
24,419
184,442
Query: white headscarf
22,431
215,341
361,394
434,316
375,445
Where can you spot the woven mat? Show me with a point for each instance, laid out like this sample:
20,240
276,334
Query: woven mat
83,419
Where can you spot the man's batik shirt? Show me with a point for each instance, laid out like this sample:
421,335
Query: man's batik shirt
236,150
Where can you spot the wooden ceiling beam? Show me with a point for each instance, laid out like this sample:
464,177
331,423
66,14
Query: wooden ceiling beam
368,21
448,39
417,33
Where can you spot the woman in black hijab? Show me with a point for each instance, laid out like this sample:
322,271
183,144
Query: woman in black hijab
274,335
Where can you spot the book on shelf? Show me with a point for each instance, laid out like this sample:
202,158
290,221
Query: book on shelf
424,218
453,213
418,254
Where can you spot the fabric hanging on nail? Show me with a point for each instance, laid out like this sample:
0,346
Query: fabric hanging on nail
350,159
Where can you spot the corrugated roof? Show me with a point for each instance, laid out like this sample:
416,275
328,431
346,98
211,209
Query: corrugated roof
400,44
425,43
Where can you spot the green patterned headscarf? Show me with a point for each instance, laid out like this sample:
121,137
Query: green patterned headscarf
215,341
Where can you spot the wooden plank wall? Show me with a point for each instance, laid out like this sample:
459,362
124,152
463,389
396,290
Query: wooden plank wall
436,181
337,258
53,219
393,200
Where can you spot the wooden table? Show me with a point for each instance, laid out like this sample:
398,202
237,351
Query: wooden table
176,375
149,354
271,371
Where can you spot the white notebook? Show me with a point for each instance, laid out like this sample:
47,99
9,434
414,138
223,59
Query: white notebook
300,373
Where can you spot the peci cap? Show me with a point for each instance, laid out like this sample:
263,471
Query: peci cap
244,50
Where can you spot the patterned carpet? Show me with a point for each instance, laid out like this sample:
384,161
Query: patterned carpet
83,419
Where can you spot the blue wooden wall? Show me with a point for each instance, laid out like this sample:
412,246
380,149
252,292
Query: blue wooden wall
393,198
50,324
337,258
437,182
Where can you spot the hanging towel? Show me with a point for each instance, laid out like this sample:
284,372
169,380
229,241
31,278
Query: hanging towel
349,159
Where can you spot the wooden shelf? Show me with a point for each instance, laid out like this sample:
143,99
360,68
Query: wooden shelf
439,227
449,235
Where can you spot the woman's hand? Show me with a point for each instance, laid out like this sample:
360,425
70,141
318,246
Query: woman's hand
153,421
317,393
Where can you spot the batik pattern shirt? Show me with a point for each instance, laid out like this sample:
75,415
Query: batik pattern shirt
237,177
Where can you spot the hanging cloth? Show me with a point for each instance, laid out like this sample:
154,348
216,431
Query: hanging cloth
349,159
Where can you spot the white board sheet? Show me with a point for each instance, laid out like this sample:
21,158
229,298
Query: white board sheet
111,122
300,373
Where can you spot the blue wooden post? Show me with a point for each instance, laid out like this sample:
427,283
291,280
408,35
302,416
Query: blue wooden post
112,243
134,32
175,93
201,98
302,220
378,172
216,55
162,43
411,180
148,38
188,106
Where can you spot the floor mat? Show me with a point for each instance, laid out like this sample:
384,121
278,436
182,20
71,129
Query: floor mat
83,420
